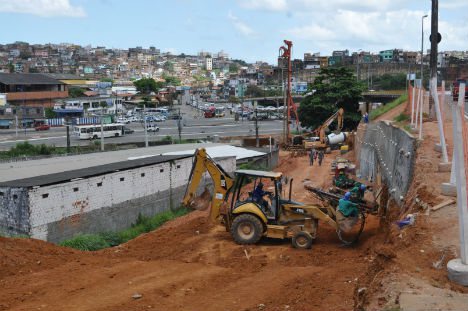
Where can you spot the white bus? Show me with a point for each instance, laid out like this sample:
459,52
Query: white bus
94,131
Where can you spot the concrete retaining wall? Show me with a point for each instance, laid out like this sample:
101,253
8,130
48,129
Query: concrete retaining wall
389,152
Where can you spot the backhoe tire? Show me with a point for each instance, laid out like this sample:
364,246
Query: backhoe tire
246,229
302,240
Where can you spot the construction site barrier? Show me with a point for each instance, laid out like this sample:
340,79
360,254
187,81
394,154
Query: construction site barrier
388,152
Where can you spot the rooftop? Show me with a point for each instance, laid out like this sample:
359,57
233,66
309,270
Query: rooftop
27,78
27,169
64,76
55,178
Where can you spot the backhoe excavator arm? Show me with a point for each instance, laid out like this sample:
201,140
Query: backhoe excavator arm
339,120
222,182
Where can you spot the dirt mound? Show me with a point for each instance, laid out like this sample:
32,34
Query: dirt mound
23,256
202,202
192,264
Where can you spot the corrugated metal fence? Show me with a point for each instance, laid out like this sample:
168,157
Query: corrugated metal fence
389,151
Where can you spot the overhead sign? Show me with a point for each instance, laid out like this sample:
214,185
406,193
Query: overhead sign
3,100
411,76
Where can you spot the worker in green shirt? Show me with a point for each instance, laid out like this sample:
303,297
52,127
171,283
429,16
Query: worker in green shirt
358,191
346,207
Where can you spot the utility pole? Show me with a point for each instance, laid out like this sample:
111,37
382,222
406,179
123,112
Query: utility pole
179,127
434,43
67,119
102,129
434,105
257,140
144,124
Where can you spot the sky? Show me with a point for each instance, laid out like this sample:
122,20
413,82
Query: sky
252,30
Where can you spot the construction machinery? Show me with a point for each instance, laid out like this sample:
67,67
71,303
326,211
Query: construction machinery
331,139
235,205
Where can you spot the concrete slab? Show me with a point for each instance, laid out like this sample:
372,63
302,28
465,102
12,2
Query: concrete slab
445,167
438,147
448,189
422,302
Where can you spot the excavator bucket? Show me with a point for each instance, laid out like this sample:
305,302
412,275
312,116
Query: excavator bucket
201,202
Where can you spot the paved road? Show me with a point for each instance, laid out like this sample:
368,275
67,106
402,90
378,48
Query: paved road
193,128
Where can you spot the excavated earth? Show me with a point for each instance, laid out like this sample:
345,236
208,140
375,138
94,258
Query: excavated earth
192,264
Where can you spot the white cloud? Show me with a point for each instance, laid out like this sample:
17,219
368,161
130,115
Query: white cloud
44,8
453,4
321,5
240,25
312,32
355,30
270,5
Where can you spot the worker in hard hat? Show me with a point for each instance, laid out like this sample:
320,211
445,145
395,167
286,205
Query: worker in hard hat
346,207
358,191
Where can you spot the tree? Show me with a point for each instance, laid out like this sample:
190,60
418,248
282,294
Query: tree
233,68
107,80
171,80
334,88
50,113
147,85
391,81
254,91
169,66
75,92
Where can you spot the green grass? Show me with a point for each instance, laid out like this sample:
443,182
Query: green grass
385,108
143,224
26,149
402,117
252,166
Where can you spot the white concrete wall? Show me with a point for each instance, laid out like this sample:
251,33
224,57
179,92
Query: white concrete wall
51,204
63,201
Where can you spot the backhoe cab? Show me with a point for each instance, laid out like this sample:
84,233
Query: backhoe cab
251,205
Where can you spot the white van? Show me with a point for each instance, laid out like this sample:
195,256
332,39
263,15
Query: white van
152,128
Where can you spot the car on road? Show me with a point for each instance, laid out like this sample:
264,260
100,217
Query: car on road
152,128
123,120
42,127
128,130
175,117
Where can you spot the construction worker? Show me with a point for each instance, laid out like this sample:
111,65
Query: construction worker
311,157
258,195
321,155
366,117
358,191
346,207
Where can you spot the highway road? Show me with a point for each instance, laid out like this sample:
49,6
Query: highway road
193,128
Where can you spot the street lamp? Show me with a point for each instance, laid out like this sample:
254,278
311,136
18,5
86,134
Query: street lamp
422,47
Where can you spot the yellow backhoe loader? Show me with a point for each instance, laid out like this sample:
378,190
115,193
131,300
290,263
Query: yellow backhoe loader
251,205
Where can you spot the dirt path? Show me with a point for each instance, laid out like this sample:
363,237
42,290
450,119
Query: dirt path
391,114
191,264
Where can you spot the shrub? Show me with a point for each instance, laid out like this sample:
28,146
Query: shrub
86,242
143,224
401,117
